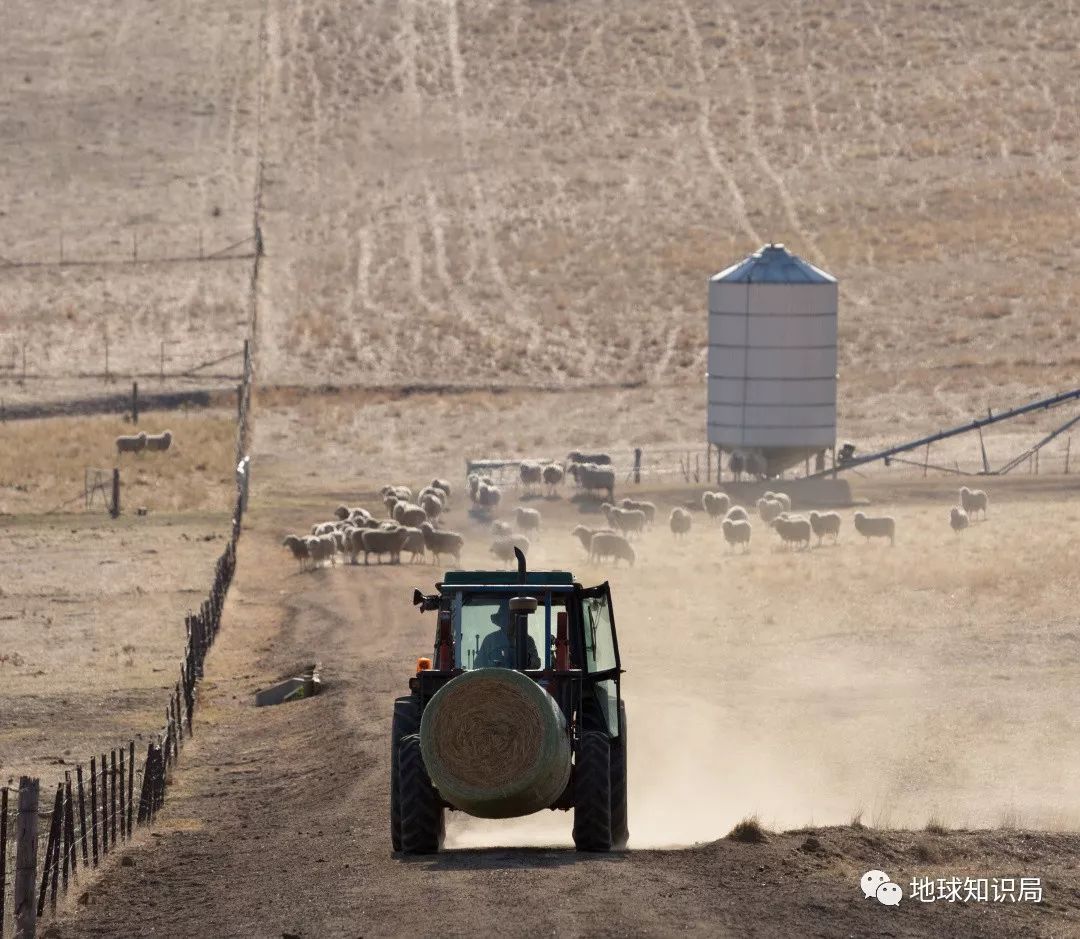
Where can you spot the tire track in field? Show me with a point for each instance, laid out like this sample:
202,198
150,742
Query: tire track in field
712,152
753,139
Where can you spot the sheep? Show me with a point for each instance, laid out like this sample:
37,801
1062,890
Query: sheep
597,459
882,526
388,525
792,529
737,514
340,541
442,542
591,476
553,477
321,548
409,514
737,532
503,548
473,482
769,508
715,504
606,544
488,496
299,549
974,500
532,474
782,497
414,544
825,523
390,501
444,486
159,442
584,535
380,542
679,521
499,529
346,514
627,520
131,443
432,505
356,516
323,528
527,519
958,519
649,508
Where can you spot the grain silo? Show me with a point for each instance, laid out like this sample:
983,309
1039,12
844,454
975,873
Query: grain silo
772,360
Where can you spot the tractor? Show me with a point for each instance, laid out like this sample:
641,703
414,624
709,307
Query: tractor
519,708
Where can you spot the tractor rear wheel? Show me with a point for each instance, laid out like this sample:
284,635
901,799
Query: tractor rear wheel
592,793
620,827
406,721
422,813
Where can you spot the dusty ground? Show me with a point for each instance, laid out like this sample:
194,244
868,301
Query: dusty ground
897,687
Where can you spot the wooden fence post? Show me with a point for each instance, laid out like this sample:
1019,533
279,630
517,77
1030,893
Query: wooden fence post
131,783
3,852
104,774
134,402
67,821
57,827
26,841
114,509
93,807
123,811
82,816
112,800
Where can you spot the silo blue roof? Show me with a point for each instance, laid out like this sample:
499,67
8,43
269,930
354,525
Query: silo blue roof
773,264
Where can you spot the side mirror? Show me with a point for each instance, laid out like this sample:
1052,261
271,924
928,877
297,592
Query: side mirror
417,598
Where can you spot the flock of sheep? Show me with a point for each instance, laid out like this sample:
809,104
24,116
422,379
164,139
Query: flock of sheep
413,524
410,528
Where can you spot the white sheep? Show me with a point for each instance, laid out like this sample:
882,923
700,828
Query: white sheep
782,497
974,500
409,514
527,519
584,535
679,521
553,477
715,504
737,514
323,528
444,486
825,523
159,442
769,508
793,529
131,443
488,496
606,544
442,542
299,549
432,505
737,532
503,548
649,508
882,526
627,520
500,528
414,544
958,519
321,548
532,473
383,541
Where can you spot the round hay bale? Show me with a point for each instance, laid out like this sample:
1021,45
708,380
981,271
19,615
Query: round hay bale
495,744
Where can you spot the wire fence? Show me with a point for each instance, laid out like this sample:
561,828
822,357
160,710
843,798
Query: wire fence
48,839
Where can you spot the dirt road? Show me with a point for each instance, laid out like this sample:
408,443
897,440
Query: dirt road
278,823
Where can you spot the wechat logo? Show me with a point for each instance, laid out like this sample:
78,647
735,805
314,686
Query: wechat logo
877,884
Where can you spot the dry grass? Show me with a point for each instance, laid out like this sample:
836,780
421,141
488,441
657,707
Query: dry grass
749,831
42,462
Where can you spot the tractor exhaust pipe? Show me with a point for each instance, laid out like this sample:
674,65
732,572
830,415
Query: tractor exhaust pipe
522,572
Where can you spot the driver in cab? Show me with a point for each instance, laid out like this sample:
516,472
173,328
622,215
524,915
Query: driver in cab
497,649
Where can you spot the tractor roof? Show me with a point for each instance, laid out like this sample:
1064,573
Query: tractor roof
507,578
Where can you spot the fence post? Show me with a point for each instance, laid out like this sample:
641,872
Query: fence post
134,402
82,816
112,800
114,509
3,852
26,840
104,774
123,811
68,823
131,783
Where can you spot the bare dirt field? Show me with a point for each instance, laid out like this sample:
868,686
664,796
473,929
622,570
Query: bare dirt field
900,688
